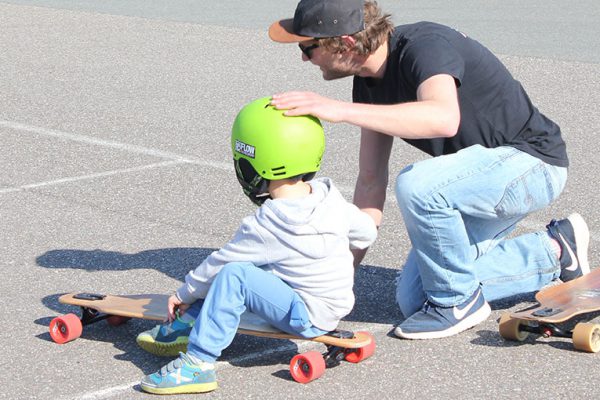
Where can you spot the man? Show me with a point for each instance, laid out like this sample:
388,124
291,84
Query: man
496,159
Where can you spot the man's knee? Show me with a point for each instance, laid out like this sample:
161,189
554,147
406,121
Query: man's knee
410,188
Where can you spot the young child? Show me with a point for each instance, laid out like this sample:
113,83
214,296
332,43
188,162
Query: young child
290,263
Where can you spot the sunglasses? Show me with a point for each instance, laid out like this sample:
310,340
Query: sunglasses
307,50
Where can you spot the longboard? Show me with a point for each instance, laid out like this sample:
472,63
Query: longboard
351,346
558,305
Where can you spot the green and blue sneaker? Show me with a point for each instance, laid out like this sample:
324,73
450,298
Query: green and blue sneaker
181,375
166,339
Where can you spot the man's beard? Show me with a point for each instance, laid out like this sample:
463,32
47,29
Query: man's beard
330,74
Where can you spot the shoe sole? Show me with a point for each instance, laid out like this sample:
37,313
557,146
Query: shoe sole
182,389
474,319
164,350
582,240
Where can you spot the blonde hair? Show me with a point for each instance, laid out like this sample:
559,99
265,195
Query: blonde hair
378,27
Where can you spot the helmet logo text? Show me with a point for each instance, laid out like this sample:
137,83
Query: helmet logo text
245,149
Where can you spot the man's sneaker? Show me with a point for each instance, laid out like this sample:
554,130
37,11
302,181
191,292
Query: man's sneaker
573,236
167,339
434,322
181,375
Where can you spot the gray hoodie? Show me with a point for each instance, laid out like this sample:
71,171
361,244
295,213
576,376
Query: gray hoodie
304,241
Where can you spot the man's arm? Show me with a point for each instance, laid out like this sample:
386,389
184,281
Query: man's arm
371,184
436,112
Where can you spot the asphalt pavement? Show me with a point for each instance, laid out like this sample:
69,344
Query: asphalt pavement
116,177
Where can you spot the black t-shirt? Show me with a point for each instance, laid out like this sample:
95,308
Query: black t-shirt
495,110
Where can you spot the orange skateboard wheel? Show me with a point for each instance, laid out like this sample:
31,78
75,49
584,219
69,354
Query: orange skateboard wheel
362,353
307,367
66,328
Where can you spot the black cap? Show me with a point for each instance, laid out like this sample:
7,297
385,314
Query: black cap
315,19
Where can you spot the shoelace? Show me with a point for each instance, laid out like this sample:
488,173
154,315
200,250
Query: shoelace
167,329
426,307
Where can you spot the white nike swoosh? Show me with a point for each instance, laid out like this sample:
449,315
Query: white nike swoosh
575,265
460,314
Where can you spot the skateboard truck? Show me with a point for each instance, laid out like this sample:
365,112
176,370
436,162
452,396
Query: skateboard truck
90,315
335,354
546,330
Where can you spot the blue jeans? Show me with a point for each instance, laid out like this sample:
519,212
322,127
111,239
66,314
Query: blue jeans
236,288
458,210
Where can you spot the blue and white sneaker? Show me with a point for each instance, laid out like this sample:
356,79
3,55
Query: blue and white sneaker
433,322
573,236
168,339
181,375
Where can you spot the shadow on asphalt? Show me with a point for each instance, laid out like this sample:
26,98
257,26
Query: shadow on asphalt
493,339
173,262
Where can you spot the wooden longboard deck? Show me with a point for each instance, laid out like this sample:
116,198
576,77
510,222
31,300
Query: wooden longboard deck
563,301
360,339
146,306
154,307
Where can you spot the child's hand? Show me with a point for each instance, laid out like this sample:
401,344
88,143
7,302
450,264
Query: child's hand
173,305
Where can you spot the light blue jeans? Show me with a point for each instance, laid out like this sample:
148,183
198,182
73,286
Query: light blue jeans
458,210
236,288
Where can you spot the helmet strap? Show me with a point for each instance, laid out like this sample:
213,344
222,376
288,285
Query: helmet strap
254,186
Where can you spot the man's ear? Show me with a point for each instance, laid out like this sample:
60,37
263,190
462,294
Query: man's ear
349,41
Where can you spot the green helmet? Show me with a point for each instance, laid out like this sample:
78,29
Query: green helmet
269,146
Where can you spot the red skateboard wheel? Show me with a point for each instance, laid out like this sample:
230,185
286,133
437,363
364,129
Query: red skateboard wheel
362,353
66,328
307,367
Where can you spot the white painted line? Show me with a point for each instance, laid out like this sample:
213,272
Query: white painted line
75,137
300,345
108,392
90,176
115,391
81,138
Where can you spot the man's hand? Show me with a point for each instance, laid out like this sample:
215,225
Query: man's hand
309,103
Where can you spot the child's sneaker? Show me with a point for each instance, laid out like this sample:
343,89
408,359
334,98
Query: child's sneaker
573,236
168,339
434,322
181,375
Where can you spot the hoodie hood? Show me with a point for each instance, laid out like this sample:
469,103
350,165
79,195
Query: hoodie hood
297,220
